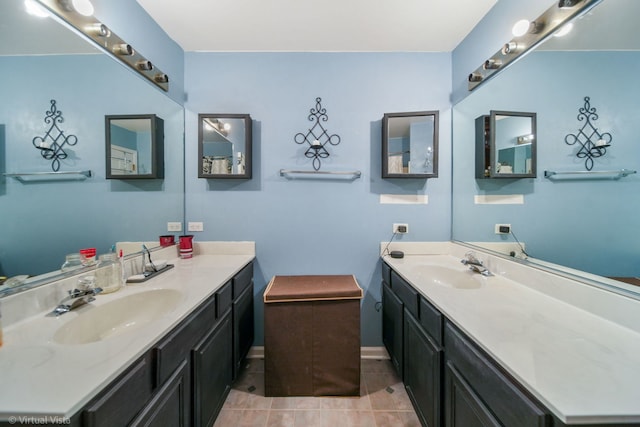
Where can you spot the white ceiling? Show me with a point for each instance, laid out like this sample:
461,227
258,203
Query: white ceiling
318,26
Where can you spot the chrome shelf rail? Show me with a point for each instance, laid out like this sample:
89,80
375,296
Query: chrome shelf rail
308,173
50,176
610,174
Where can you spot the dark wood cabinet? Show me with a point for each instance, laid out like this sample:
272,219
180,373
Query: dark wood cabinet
423,372
170,405
509,403
212,372
242,328
392,326
123,399
463,407
184,379
472,390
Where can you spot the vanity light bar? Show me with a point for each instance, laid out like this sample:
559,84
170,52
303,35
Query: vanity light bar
544,26
97,32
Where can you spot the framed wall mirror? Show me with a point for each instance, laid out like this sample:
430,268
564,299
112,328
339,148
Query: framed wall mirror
34,52
564,226
410,145
506,145
224,146
134,147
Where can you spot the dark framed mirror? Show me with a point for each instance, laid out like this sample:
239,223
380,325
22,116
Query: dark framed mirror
506,145
134,146
410,145
224,146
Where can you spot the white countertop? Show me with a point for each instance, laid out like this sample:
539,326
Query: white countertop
584,367
43,378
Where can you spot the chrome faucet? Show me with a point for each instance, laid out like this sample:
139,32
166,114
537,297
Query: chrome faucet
475,264
84,293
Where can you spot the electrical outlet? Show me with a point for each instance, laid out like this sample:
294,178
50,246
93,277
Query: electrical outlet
503,228
196,226
401,228
174,226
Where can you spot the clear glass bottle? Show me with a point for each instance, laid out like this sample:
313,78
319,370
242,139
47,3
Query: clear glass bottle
71,262
109,273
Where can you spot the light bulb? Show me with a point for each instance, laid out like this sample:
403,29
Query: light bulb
227,126
83,7
521,28
564,30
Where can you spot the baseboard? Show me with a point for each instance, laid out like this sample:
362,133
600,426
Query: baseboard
257,352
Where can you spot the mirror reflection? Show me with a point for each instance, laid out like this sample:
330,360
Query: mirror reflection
135,146
505,145
568,222
410,145
224,148
41,60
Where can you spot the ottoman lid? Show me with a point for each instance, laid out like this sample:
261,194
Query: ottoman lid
312,288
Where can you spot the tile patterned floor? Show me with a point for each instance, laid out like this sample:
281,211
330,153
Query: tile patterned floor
383,402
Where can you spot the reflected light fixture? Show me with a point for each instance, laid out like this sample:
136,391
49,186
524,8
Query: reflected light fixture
475,77
35,9
492,64
124,49
520,28
568,4
564,30
144,65
215,125
99,30
161,78
83,7
511,48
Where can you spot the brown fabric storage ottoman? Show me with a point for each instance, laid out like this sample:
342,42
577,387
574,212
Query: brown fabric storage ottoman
312,336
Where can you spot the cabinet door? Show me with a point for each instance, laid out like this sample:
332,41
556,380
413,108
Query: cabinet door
392,328
170,405
119,403
242,328
463,407
422,372
212,372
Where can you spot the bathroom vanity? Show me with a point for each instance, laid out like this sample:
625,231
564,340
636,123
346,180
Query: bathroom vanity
173,364
523,347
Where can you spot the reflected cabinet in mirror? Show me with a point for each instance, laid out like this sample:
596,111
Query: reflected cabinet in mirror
410,145
135,147
506,145
224,146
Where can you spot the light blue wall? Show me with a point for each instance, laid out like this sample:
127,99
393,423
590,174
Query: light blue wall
317,226
589,225
69,216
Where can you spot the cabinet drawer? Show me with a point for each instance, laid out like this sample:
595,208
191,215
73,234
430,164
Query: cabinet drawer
431,320
242,280
224,299
501,395
405,292
386,273
175,347
124,398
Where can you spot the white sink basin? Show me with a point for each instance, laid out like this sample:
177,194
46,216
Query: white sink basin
449,277
97,323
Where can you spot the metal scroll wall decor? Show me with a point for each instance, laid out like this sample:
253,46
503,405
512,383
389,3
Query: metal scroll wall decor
593,144
317,136
51,145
